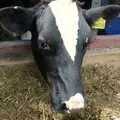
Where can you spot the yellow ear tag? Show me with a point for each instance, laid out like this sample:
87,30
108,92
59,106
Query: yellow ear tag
99,23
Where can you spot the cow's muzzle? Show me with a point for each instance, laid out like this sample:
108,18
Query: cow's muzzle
75,103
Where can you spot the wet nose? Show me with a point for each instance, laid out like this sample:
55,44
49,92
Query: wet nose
75,103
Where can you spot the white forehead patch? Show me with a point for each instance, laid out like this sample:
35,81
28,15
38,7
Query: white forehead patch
66,15
75,102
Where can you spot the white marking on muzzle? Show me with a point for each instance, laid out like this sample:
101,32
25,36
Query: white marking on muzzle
66,15
15,7
75,102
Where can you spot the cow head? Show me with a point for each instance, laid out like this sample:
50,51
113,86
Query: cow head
58,53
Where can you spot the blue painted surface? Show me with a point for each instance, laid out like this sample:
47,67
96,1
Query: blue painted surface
114,27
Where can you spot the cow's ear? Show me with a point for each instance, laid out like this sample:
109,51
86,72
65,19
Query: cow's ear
16,20
107,12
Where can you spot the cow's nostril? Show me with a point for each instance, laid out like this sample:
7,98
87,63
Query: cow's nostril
64,107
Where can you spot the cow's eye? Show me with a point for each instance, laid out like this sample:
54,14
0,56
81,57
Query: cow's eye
45,46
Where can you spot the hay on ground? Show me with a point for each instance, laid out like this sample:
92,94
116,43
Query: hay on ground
23,95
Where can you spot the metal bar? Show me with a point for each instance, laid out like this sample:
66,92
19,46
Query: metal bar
20,46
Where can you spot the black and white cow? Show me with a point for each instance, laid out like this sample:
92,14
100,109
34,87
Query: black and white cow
60,34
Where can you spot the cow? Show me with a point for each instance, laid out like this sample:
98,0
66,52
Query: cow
61,32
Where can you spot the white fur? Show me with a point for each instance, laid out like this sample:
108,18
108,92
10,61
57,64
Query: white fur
66,14
75,102
15,7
